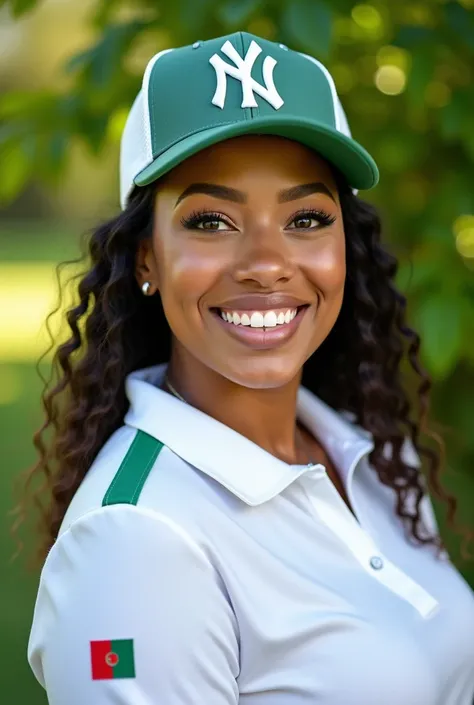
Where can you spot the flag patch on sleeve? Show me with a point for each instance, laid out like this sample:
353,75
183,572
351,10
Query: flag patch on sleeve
112,658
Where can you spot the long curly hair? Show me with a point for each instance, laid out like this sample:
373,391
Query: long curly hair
365,359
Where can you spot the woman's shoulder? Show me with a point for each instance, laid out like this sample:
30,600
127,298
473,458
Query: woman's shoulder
135,473
89,495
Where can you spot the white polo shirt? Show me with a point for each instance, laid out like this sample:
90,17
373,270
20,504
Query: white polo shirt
194,568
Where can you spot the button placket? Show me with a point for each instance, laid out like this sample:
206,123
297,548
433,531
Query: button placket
332,511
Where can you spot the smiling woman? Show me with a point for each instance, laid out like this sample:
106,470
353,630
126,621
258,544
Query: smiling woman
238,506
264,246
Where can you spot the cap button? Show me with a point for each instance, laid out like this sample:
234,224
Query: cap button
283,46
196,45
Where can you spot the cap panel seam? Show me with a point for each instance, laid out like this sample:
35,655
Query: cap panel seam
146,87
331,84
152,116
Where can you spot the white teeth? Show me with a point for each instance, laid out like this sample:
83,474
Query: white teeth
256,320
270,319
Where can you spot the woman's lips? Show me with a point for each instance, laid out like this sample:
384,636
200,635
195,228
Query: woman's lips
262,338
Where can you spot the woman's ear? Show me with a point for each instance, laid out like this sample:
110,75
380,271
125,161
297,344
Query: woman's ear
145,266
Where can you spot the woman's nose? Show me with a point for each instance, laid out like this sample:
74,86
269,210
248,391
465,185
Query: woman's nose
264,260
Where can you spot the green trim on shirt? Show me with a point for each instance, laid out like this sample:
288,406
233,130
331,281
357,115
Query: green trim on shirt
129,479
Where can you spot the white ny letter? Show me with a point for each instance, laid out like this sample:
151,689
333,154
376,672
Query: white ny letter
243,72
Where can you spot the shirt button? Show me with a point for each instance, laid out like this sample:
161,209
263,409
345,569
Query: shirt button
376,563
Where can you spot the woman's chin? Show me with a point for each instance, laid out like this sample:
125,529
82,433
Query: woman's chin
262,374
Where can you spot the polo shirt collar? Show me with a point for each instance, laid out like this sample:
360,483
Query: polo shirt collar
247,470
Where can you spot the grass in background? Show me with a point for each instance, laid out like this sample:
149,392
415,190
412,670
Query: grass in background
28,292
20,390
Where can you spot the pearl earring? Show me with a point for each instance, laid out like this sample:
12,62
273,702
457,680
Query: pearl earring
146,287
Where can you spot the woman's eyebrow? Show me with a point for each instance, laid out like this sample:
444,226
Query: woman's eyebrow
231,194
225,192
303,190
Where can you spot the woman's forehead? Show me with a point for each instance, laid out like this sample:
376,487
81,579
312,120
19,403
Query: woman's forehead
250,158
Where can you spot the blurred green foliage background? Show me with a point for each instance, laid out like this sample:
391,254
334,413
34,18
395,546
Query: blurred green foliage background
68,74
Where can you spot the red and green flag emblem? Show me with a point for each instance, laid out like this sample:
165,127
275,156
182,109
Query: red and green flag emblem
112,658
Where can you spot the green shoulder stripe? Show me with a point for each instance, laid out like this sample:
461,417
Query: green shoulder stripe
129,479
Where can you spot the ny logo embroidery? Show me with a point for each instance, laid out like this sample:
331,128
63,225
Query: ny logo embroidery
243,72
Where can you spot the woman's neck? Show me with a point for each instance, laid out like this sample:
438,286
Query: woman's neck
265,416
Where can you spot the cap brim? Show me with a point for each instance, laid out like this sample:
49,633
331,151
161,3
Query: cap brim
345,153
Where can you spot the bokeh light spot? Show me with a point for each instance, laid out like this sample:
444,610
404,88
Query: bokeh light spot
369,19
393,56
463,222
116,124
390,80
463,228
465,243
417,14
345,30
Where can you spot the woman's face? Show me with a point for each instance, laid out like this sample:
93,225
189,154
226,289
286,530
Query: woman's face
249,232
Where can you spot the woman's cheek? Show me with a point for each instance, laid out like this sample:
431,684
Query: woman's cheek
326,267
191,274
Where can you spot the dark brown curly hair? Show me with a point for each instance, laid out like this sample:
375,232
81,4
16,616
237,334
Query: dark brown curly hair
114,329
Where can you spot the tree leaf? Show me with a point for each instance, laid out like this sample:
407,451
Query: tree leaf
439,321
15,168
423,65
236,13
103,61
451,118
411,37
308,24
103,12
20,7
193,18
78,61
57,149
460,20
94,129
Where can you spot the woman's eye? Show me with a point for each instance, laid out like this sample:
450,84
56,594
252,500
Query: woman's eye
304,221
311,220
211,224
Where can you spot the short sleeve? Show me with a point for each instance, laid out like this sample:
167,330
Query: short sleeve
130,610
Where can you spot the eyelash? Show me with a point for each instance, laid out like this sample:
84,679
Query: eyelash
198,217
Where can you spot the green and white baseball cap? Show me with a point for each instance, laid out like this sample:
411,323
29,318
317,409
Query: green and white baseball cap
207,92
